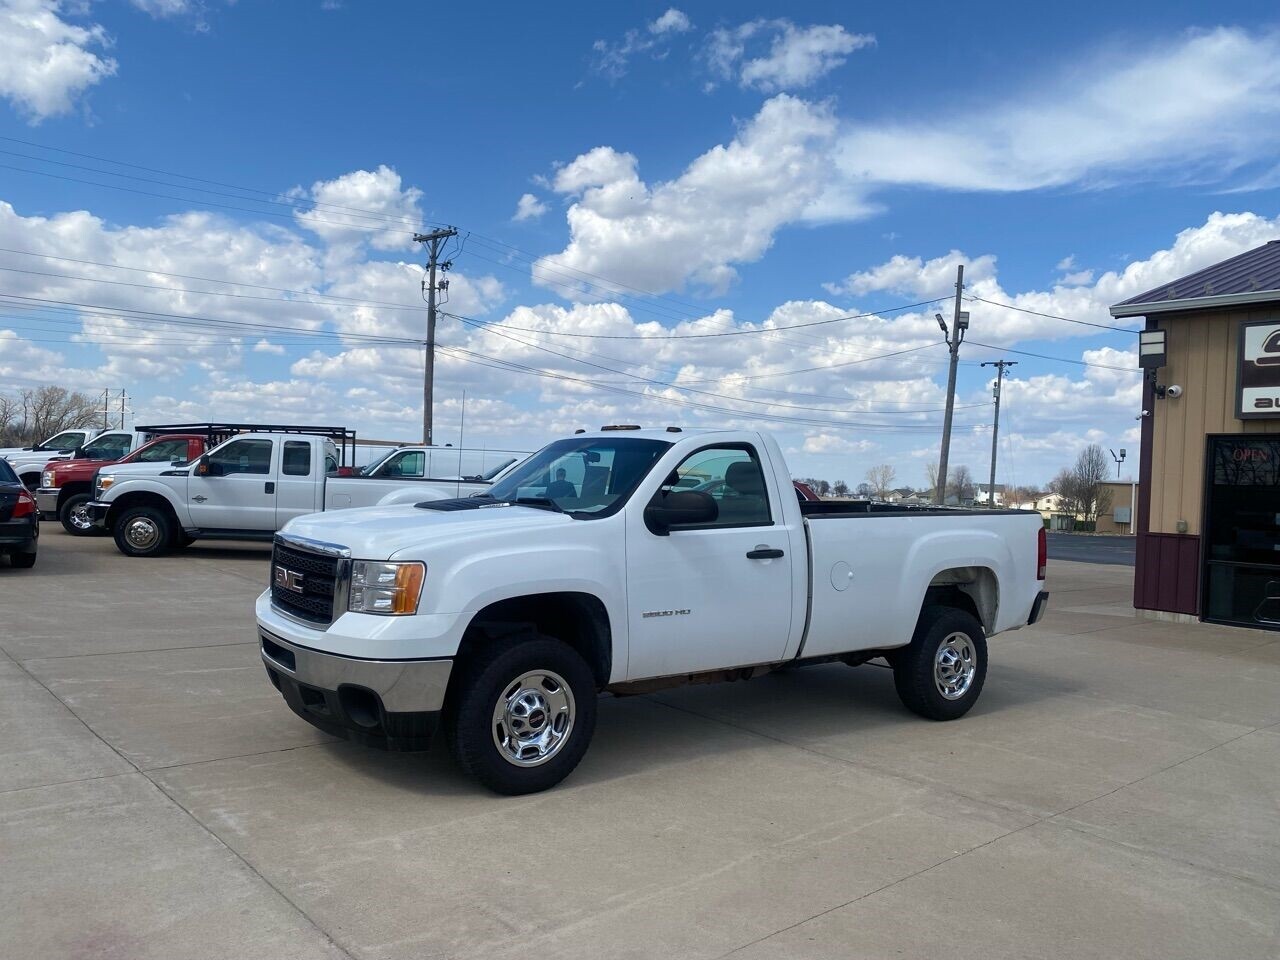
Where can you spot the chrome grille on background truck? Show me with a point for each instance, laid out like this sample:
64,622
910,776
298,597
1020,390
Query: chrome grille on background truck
309,579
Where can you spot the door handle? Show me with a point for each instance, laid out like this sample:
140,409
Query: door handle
269,487
764,553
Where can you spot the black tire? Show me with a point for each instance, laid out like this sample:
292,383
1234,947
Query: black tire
23,561
493,671
914,665
31,481
66,511
126,534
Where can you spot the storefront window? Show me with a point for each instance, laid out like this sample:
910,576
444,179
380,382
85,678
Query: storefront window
1242,532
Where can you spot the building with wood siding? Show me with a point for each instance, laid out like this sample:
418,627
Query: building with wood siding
1208,517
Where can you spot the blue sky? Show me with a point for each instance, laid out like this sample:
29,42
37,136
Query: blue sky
642,174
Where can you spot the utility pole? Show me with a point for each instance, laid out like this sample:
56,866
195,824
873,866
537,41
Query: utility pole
955,336
106,409
995,427
123,397
435,243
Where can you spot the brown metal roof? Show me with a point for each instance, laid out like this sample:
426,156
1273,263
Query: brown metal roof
1252,276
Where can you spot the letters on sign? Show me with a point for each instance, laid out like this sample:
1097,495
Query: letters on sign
1258,371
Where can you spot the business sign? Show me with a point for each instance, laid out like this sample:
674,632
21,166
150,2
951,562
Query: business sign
1258,372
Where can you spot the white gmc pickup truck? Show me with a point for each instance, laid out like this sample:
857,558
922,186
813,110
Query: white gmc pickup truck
245,489
625,560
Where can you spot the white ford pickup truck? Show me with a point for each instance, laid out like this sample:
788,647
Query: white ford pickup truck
244,489
623,561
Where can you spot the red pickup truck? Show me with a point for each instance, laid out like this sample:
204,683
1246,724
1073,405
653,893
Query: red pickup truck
66,487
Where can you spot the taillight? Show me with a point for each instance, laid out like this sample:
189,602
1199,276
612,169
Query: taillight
1042,555
26,505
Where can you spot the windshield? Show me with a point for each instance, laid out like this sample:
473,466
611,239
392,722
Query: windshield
111,446
6,473
587,477
63,441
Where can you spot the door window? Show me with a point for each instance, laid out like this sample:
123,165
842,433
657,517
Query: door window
296,459
164,452
408,463
731,476
242,456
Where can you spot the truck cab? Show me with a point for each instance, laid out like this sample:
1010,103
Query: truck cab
66,487
28,462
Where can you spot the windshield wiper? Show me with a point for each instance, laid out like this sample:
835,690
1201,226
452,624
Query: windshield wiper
542,503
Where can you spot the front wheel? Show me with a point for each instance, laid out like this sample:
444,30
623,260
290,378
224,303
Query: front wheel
523,715
940,674
142,532
75,517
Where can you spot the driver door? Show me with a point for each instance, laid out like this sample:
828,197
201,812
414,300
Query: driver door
715,595
239,492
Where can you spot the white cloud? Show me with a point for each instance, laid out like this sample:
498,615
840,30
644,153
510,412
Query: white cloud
916,278
830,443
163,9
797,56
266,346
389,212
722,210
1196,108
673,21
46,62
529,207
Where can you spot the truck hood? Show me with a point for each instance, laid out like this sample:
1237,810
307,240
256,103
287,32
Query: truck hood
126,470
379,533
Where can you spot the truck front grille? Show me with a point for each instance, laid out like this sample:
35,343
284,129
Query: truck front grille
309,583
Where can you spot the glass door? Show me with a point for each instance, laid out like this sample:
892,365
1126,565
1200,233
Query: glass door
1242,531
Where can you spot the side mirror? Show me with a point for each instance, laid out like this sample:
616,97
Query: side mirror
679,508
78,453
205,467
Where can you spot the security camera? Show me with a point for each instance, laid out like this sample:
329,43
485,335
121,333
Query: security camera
1144,413
1173,392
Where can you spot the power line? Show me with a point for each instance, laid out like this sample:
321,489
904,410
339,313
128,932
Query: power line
693,336
1053,316
498,363
678,385
1043,356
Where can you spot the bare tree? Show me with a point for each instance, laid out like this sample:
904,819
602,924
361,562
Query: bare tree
962,483
931,474
37,414
864,490
880,479
840,488
1081,486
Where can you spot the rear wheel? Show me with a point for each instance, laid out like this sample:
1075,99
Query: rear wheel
523,714
142,532
940,674
75,517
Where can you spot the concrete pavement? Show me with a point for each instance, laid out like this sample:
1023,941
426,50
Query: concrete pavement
1113,794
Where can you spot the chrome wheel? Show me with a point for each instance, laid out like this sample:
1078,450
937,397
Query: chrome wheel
79,517
533,718
954,666
142,533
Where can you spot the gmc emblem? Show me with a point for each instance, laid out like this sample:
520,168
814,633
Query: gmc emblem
288,579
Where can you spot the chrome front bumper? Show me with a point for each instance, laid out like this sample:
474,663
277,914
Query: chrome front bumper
402,686
47,500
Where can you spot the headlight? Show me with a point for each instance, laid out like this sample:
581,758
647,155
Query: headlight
46,479
391,589
104,484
